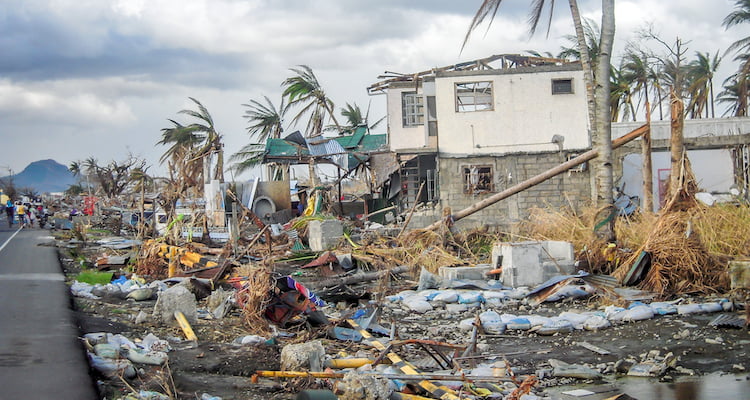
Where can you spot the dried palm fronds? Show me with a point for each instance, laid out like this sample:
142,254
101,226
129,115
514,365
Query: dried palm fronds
254,297
724,229
563,224
417,249
680,262
149,263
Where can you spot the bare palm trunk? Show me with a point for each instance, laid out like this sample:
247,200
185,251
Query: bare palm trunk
677,108
219,165
588,75
604,227
648,179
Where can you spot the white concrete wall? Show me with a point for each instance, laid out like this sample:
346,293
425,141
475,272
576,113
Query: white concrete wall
525,116
693,128
713,170
400,137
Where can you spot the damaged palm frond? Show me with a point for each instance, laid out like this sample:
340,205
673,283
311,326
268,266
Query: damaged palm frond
417,248
150,263
680,262
254,297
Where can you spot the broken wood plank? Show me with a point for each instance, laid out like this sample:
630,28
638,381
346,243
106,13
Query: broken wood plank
370,276
595,349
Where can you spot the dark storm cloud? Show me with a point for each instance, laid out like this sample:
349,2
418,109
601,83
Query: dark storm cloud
41,47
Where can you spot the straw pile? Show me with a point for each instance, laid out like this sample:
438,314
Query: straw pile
689,243
417,248
254,297
149,263
680,263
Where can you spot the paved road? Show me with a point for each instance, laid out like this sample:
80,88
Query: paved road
40,356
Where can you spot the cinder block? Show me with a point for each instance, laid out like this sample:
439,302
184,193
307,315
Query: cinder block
532,263
558,250
324,235
477,272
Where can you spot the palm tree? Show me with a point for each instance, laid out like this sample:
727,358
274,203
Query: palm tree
354,118
211,139
266,121
591,32
620,95
304,90
740,15
734,96
636,66
181,155
140,176
597,90
701,87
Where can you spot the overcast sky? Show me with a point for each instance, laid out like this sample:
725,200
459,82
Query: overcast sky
82,78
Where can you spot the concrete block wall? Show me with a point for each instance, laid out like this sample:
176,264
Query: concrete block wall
324,235
567,189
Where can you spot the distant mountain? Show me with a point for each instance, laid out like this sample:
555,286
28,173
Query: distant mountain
45,176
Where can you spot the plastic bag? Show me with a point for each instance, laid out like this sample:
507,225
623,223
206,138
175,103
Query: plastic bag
417,305
492,323
446,296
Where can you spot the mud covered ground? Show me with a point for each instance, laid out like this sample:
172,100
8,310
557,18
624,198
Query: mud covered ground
218,367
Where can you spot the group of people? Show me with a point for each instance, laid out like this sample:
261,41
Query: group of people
27,214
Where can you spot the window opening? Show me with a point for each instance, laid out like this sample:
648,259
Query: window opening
473,96
562,86
478,179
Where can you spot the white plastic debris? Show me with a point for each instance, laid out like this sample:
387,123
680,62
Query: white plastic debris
492,323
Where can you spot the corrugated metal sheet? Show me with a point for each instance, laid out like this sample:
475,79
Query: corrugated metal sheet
329,149
727,321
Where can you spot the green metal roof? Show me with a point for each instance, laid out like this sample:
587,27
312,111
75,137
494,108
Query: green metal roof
359,143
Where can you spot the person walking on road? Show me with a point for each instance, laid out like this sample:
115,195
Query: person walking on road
21,212
31,214
10,212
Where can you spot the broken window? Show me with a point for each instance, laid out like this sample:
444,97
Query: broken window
478,179
473,96
412,109
562,86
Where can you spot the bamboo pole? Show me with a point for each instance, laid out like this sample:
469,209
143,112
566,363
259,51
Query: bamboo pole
533,181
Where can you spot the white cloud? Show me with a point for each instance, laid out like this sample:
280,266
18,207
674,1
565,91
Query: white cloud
106,75
60,103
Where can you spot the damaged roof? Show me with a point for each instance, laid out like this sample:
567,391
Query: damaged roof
500,61
348,151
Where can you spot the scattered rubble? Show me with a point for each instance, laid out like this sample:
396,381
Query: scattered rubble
323,306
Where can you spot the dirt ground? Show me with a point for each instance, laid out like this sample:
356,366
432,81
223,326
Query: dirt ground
220,368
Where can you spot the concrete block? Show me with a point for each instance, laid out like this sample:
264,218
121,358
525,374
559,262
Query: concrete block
532,263
324,235
465,273
176,298
558,251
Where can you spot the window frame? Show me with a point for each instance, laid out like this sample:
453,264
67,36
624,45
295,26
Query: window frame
412,112
477,92
557,92
486,185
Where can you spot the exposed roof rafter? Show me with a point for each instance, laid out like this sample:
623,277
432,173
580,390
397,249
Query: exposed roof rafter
506,61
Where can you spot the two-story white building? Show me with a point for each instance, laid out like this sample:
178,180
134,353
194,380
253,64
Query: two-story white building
470,130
